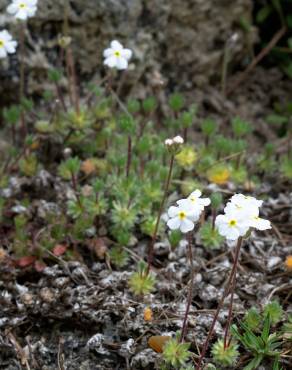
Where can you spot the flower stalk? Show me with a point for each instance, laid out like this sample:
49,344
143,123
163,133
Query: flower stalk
21,74
129,156
154,235
190,295
225,294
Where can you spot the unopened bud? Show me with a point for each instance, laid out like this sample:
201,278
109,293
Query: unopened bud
67,152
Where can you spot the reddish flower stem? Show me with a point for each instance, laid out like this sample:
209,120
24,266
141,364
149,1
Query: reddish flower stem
190,295
129,157
154,236
229,312
225,293
21,76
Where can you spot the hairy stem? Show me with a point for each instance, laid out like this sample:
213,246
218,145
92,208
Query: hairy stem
190,295
72,77
229,312
74,184
214,214
154,236
21,75
129,156
225,293
185,134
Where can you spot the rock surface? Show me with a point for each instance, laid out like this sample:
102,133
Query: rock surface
181,40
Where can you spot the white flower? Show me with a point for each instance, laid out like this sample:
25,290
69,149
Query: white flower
7,44
195,202
117,56
168,142
22,9
182,217
257,222
231,225
241,214
178,140
241,200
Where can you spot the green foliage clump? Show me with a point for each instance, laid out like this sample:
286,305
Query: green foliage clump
286,168
210,236
287,329
240,127
118,256
260,341
275,312
225,356
176,102
142,282
69,167
174,237
176,353
253,318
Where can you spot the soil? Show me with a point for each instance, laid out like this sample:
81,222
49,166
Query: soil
81,315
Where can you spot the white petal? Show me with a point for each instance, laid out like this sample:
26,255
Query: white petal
174,223
12,9
243,228
116,45
186,225
183,202
11,46
111,62
173,211
5,36
233,234
221,219
108,53
193,215
262,224
204,201
3,53
32,2
31,11
127,54
122,63
196,194
223,228
21,14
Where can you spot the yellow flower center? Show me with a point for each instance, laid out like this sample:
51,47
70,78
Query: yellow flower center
232,223
117,53
22,5
1,44
182,215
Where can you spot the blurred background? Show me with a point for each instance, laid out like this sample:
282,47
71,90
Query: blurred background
182,40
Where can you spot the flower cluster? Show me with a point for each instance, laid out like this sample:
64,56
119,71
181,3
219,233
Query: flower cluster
116,56
22,9
240,215
177,140
187,212
174,145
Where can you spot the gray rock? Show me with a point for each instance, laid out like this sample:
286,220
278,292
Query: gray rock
182,40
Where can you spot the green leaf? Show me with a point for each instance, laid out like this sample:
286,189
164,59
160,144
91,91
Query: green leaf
289,20
254,363
266,328
276,119
263,13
